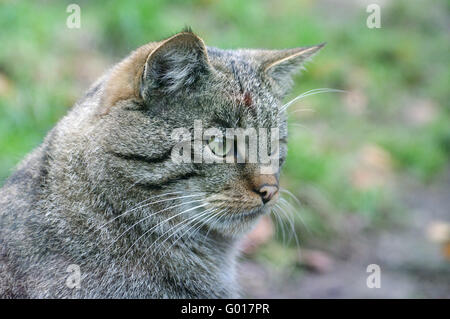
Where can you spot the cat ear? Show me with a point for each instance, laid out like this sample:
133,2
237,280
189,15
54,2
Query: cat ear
281,65
176,63
157,67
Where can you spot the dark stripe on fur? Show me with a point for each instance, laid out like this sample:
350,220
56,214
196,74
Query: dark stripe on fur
161,184
143,158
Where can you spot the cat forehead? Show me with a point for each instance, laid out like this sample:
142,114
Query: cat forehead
242,71
234,60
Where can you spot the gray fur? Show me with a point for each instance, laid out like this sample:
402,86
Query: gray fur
94,166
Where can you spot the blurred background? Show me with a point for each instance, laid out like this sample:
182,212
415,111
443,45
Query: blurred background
368,170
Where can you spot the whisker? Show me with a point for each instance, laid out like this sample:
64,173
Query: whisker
207,220
292,225
135,183
286,191
298,125
181,236
152,214
159,224
308,93
186,223
141,205
141,202
297,201
216,222
198,218
303,110
283,221
280,222
166,220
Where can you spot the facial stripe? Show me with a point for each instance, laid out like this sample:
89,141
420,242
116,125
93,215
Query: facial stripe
143,158
158,184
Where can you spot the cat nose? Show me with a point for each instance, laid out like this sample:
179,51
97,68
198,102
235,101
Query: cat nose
267,192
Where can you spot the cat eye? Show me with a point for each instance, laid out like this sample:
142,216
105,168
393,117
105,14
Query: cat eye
220,146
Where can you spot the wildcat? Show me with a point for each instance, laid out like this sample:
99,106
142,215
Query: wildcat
101,198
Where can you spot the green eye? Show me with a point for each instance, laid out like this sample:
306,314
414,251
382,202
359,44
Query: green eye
220,146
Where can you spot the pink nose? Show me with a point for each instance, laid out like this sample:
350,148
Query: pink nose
267,192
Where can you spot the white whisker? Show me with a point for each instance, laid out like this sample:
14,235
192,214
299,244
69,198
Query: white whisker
308,93
297,201
146,232
200,222
166,220
197,218
280,222
152,214
141,205
292,225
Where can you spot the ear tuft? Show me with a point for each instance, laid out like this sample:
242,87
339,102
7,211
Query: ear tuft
187,29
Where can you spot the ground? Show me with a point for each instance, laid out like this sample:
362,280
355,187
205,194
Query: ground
412,266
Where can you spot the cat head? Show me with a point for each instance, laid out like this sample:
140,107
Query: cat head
181,84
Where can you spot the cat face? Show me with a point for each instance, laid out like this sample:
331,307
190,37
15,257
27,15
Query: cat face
184,85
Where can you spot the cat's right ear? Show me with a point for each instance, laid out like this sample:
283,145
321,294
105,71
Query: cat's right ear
157,68
177,63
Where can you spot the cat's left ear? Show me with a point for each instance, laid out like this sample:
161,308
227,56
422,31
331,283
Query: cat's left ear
281,65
